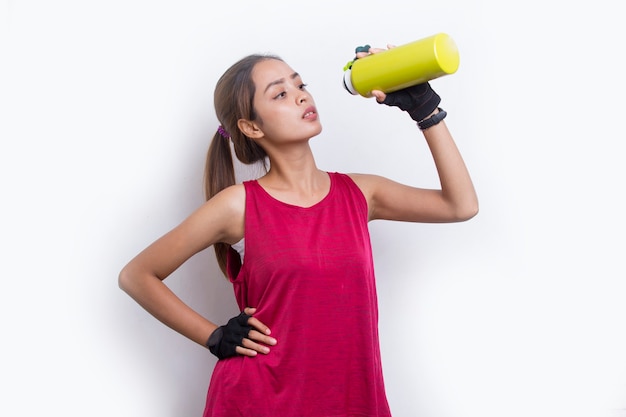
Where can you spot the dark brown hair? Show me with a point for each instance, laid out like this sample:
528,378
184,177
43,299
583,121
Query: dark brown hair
233,100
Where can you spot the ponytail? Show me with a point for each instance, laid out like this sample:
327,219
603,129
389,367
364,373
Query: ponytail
219,172
233,100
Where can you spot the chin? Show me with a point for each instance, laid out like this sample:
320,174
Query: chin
318,130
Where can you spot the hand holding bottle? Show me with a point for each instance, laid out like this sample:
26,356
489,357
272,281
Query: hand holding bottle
419,101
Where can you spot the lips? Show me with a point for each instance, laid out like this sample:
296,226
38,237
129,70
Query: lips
310,113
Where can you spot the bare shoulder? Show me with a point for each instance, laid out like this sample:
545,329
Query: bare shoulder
219,219
367,183
231,198
228,208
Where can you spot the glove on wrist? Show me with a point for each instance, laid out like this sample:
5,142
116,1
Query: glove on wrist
225,339
419,100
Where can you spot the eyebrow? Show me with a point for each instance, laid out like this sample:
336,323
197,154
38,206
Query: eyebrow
280,81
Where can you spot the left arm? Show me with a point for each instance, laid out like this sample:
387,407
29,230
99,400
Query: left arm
455,201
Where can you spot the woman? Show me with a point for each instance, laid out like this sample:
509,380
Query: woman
296,247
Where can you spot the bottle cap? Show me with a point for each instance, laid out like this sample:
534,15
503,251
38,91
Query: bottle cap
347,82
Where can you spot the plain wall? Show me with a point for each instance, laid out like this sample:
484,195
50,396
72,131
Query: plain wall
107,114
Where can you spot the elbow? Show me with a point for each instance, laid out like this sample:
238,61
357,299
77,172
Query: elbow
133,279
467,211
468,215
463,209
124,280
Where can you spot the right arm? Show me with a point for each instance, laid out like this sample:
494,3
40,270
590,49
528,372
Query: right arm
221,219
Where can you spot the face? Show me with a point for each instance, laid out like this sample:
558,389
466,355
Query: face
285,109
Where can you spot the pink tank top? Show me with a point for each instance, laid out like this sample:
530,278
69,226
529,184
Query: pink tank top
309,272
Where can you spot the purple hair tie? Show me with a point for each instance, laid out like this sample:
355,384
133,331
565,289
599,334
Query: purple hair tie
223,132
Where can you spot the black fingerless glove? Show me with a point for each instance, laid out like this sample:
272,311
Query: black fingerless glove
225,339
419,101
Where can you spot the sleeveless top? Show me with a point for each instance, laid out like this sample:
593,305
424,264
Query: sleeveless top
309,273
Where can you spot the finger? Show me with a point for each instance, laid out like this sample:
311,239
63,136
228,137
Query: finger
245,352
249,310
258,325
369,52
256,347
260,337
380,96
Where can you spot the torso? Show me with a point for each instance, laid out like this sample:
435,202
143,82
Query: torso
309,272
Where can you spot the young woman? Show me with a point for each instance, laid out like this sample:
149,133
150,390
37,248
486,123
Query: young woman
295,246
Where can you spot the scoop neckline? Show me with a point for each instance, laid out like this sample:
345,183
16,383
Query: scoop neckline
283,203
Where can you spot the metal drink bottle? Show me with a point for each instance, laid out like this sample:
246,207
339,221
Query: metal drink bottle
403,66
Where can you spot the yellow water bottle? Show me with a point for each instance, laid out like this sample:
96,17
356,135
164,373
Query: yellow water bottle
403,66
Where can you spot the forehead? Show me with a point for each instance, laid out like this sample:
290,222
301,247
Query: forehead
269,71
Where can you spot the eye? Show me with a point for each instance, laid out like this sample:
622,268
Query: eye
302,86
280,95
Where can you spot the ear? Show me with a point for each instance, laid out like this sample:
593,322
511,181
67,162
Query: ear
250,129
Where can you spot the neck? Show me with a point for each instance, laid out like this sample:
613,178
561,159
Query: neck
294,177
295,168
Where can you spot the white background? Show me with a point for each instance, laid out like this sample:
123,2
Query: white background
107,112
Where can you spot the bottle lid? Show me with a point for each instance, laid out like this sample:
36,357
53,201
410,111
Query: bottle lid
347,82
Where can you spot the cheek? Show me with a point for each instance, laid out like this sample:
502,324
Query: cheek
273,118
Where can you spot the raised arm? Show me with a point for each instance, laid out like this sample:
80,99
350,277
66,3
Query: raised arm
455,201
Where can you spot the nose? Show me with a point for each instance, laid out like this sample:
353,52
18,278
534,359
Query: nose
303,97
